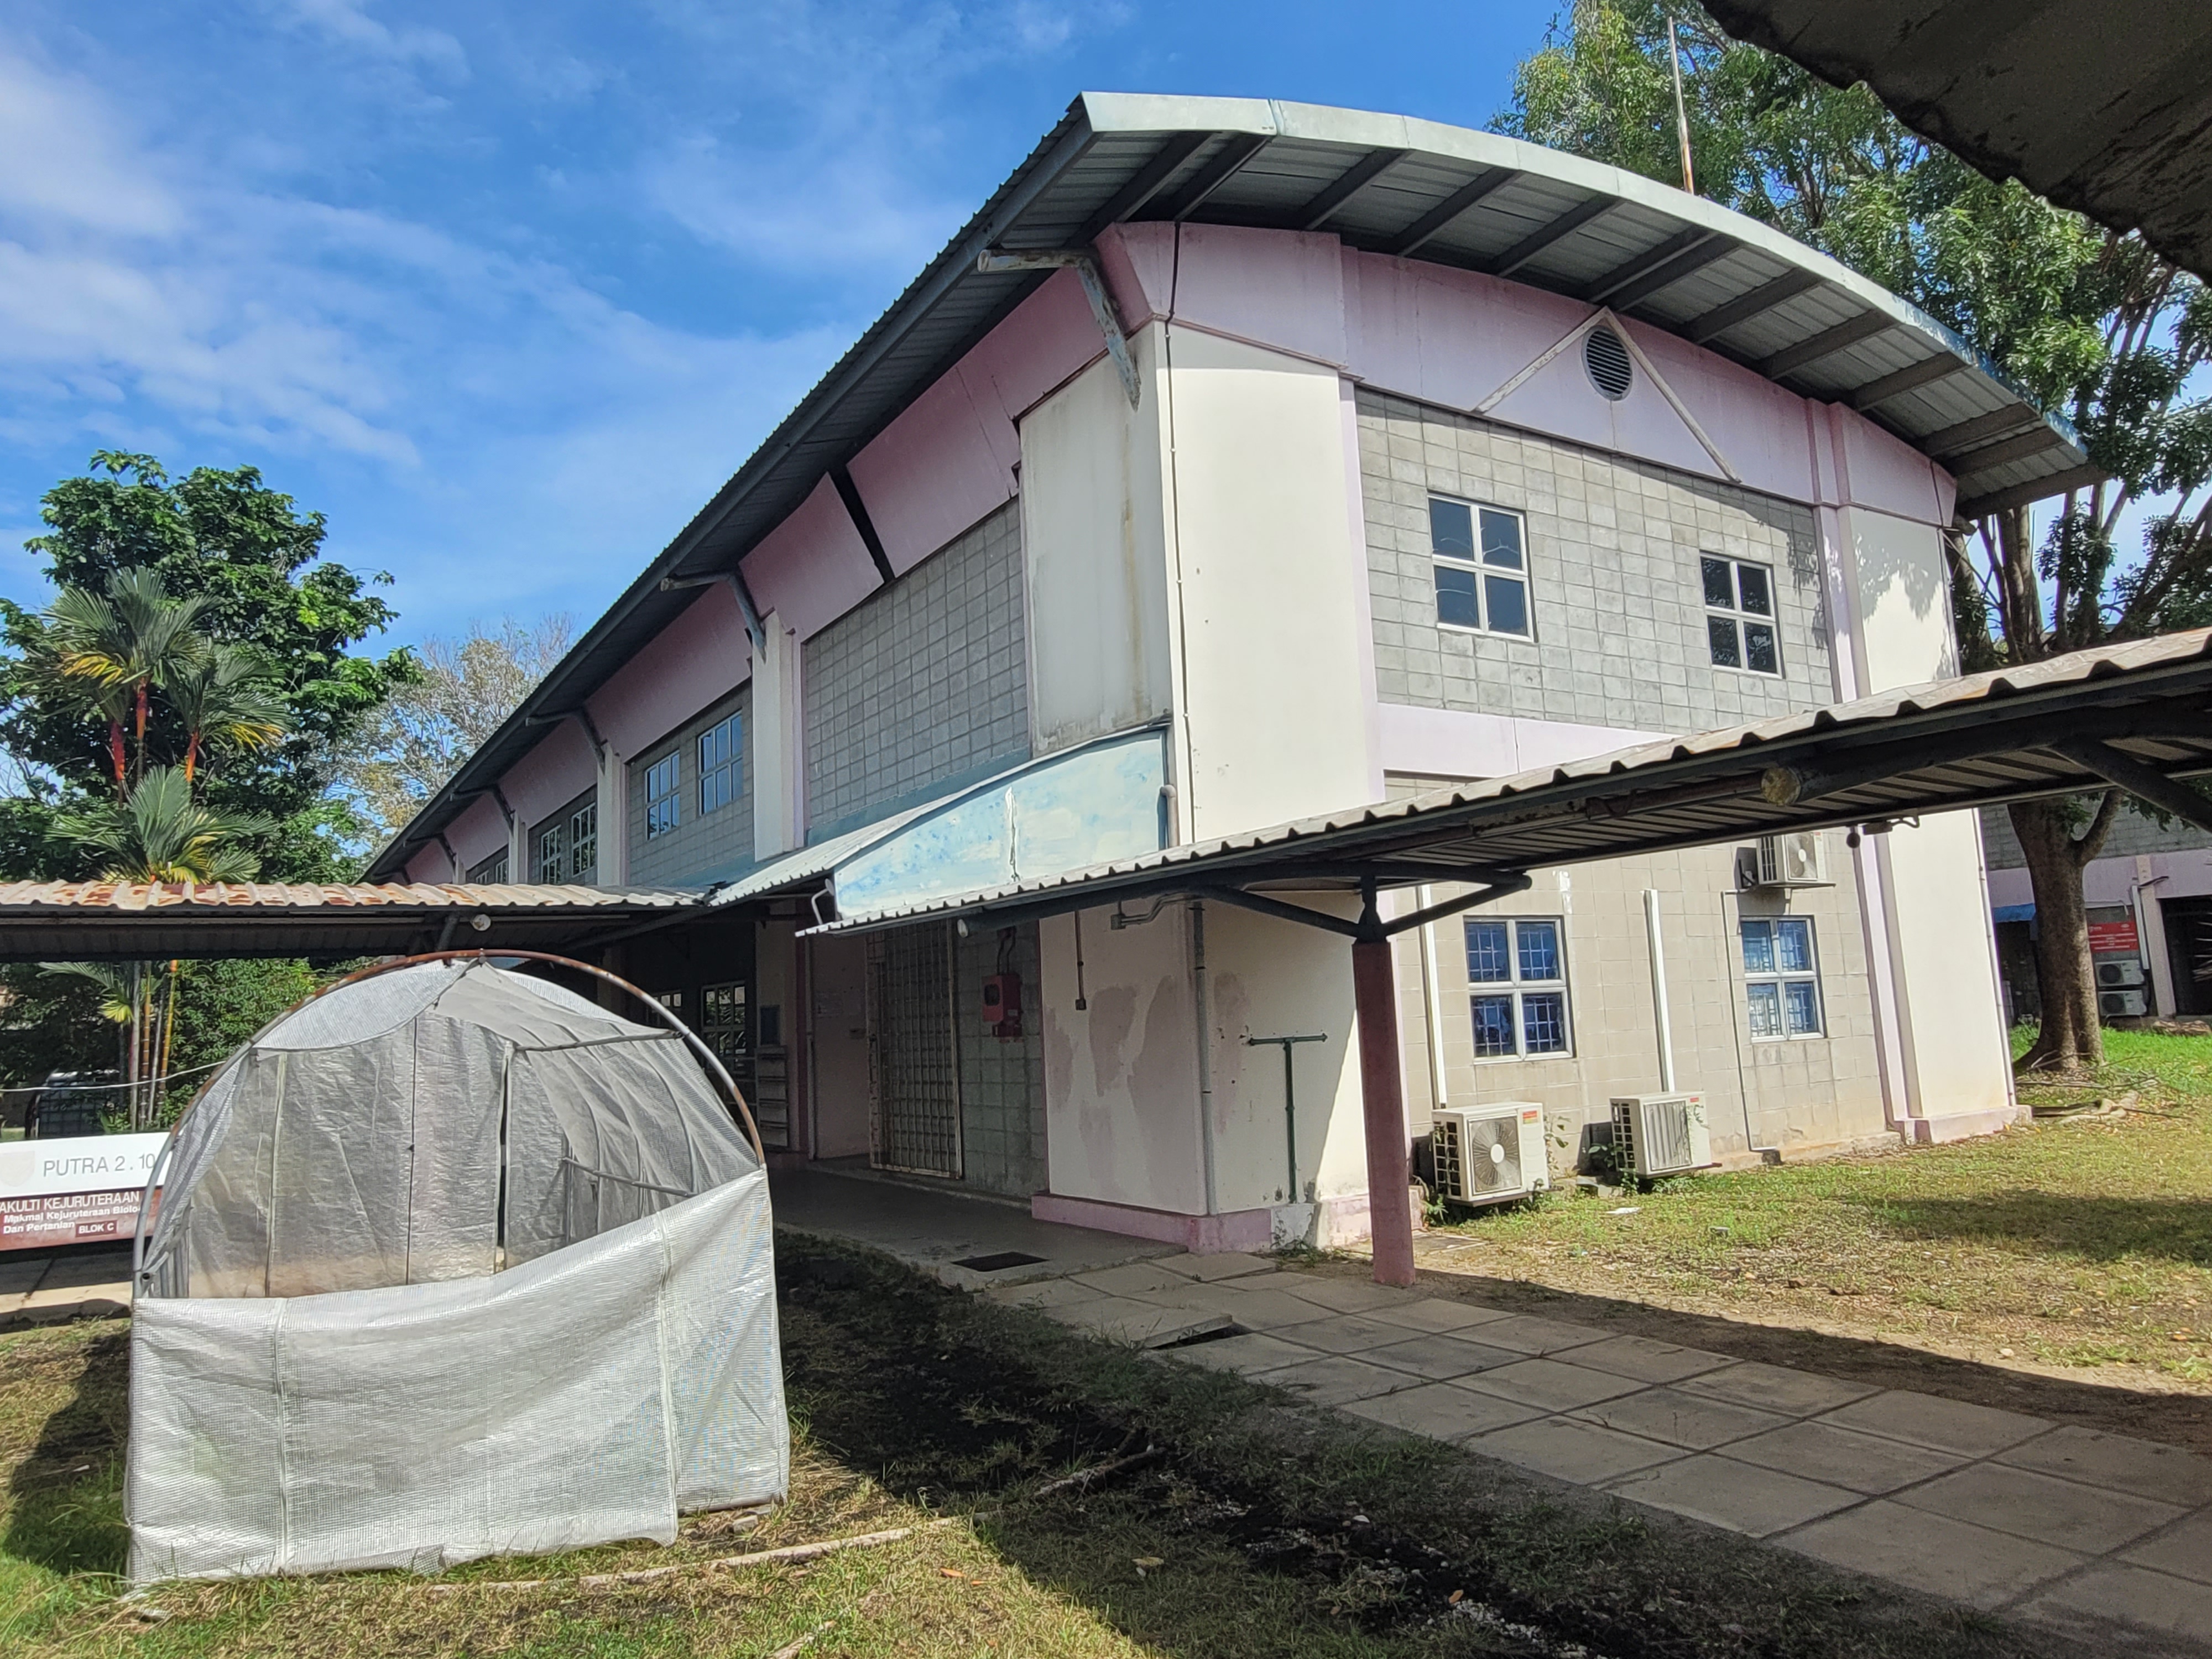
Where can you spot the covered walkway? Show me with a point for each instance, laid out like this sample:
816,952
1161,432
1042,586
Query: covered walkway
941,1232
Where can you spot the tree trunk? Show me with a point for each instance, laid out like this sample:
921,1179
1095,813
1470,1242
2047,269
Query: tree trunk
2071,1036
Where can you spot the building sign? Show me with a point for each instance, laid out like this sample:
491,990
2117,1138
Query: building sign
2113,939
74,1190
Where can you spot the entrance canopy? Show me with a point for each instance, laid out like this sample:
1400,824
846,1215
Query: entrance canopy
2137,715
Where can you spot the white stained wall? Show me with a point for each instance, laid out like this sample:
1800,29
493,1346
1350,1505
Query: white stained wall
1273,978
1094,543
1928,910
1271,588
1120,1074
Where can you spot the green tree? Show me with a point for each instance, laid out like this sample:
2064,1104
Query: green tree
250,561
2092,325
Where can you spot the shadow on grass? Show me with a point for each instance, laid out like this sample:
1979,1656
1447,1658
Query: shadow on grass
2092,1228
1283,1532
65,1510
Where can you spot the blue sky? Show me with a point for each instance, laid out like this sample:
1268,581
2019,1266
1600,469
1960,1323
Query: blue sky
508,290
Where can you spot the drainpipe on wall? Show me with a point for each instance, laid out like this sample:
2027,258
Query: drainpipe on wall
1205,1050
1659,991
1433,993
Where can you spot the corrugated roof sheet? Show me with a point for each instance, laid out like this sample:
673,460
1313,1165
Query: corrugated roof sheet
2102,108
278,895
1648,250
1957,742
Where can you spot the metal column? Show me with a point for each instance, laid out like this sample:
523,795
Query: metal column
1383,1103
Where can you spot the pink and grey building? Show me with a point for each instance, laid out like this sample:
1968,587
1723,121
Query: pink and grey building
1241,462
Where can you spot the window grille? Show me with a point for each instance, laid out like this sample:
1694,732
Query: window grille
1517,970
1781,978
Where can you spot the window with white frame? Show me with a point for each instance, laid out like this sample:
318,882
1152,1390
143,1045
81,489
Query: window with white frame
722,764
566,847
1518,972
1782,977
1481,566
664,786
489,871
1739,615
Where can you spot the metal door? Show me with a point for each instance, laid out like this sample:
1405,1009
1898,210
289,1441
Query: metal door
914,1063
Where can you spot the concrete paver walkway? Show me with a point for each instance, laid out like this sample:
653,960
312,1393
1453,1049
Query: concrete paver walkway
2003,1511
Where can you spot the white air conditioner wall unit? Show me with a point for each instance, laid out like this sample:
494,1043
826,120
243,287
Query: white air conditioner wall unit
1660,1135
1489,1154
2119,974
1799,859
2122,1005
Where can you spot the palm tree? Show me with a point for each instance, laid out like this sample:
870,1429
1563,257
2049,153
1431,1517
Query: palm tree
134,638
160,833
224,699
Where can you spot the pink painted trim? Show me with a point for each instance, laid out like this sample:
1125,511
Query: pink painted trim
700,658
558,769
1202,1235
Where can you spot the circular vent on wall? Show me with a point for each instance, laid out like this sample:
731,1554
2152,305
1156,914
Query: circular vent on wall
1607,360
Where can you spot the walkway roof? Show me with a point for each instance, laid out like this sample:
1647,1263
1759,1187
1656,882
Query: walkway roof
2103,108
1385,184
126,921
2049,728
2139,714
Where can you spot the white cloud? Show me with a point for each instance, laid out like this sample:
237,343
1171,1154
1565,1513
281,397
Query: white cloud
68,161
348,23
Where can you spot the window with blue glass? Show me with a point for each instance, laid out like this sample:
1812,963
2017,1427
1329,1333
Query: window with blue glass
1481,564
1516,971
664,788
722,764
1782,977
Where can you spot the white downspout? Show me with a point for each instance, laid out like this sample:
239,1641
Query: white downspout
1659,991
1433,994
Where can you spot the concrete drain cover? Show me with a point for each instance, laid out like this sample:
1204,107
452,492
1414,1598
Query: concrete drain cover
998,1263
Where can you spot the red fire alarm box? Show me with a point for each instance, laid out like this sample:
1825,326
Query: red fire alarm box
1002,1005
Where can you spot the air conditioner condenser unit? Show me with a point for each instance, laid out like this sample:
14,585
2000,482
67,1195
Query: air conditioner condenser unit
2119,974
1660,1135
1799,859
1490,1154
2122,1005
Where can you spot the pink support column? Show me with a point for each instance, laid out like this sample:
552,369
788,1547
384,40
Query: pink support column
1382,1099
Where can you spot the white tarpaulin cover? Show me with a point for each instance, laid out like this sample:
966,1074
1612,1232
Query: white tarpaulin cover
450,1262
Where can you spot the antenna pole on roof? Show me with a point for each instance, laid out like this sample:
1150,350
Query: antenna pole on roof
1681,110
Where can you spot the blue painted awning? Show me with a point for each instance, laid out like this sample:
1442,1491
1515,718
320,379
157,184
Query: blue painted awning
2012,913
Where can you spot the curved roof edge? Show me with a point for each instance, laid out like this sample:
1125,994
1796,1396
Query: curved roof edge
1382,183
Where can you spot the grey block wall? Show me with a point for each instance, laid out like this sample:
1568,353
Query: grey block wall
2132,834
921,687
1612,553
704,847
1001,1084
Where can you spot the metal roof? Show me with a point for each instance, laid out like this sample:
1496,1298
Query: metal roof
2103,108
1972,742
122,921
1386,184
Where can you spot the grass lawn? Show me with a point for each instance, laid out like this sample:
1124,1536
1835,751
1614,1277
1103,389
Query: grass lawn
2077,1248
1261,1528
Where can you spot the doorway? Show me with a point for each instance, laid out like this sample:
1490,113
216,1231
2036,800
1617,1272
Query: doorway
914,1059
